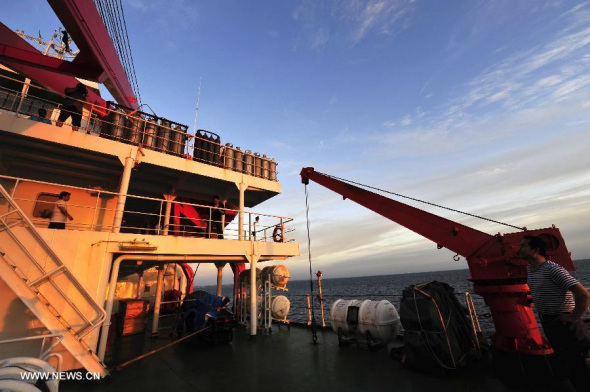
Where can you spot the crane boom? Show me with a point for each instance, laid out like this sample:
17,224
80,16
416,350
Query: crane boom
497,271
458,238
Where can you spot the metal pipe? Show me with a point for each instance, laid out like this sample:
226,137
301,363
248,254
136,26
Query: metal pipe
321,296
169,199
253,295
308,310
159,228
123,188
23,94
14,189
242,187
219,278
43,353
139,285
223,222
104,331
142,356
209,223
157,302
95,210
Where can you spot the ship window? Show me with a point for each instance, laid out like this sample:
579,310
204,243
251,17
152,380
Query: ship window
44,205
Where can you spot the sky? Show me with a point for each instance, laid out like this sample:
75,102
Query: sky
481,106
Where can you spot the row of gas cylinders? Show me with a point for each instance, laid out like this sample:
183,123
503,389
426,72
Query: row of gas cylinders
249,163
377,319
166,136
151,132
207,147
278,276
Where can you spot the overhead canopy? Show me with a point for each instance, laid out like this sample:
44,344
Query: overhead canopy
36,159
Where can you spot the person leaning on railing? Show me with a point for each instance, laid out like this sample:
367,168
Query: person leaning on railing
73,105
42,117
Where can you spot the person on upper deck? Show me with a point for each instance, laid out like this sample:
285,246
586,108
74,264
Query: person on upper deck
217,212
73,106
256,220
560,301
42,116
60,213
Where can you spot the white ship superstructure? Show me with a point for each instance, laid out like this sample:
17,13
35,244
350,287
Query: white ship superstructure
141,204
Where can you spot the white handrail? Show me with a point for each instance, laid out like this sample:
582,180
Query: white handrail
100,313
150,132
44,353
267,221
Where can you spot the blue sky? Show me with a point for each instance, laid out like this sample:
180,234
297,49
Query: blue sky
483,106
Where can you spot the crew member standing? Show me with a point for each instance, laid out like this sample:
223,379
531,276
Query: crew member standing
73,106
60,214
561,301
217,212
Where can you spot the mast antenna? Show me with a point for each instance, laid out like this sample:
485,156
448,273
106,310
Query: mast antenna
197,108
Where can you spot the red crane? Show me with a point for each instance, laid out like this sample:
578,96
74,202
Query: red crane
97,61
497,272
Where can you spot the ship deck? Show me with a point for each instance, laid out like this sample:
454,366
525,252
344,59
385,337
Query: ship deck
285,360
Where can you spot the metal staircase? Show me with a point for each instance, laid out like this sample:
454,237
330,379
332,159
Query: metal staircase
30,267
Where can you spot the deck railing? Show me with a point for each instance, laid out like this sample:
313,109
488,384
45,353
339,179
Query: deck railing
135,127
186,219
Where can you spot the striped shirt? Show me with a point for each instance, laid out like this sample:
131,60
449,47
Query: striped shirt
549,286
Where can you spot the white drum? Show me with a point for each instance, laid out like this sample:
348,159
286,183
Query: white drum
245,277
280,307
279,275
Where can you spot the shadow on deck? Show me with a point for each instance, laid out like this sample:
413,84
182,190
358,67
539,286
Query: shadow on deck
286,360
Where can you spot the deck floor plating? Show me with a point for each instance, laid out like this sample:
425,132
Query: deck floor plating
285,360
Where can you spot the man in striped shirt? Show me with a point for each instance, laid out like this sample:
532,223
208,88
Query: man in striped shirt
560,301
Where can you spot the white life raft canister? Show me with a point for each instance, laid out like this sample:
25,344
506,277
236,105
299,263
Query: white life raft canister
378,318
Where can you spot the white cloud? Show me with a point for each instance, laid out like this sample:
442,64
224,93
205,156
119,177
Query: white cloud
380,16
533,186
367,19
407,120
320,39
514,147
175,15
352,20
553,70
570,86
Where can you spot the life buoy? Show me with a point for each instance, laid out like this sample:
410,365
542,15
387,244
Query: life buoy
17,385
277,234
11,371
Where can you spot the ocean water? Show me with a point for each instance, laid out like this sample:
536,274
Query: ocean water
387,287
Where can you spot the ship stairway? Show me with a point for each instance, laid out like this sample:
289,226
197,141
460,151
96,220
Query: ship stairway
36,274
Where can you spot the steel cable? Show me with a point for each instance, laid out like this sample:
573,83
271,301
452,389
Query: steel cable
313,322
113,18
421,201
130,53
